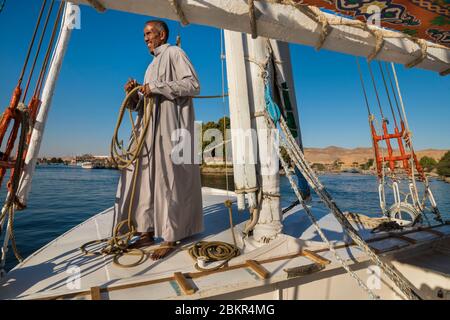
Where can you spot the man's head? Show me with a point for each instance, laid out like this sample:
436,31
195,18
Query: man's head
156,33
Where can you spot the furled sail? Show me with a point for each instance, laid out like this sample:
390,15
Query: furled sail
287,20
425,19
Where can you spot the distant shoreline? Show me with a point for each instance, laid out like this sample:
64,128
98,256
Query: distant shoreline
329,160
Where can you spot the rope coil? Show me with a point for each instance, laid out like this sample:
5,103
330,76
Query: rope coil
118,245
213,251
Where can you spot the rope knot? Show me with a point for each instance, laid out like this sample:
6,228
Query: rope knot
228,203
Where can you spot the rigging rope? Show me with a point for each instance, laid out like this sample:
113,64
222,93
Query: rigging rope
388,96
393,91
31,42
409,160
38,88
299,160
287,132
413,159
376,91
23,118
363,87
38,49
302,165
313,219
10,203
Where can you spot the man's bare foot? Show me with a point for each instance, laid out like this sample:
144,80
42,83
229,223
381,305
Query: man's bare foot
145,239
164,249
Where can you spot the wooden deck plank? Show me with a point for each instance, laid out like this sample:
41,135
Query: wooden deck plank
315,257
95,293
181,278
183,283
259,269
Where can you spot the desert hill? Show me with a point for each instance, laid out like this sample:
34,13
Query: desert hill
360,155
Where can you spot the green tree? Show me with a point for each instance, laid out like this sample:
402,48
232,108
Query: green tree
367,165
428,163
443,167
220,124
285,155
337,164
318,166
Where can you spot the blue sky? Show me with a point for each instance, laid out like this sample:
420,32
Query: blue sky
109,49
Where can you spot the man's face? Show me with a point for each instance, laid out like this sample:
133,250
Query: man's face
153,37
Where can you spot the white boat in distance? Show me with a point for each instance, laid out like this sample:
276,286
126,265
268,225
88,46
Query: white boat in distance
87,165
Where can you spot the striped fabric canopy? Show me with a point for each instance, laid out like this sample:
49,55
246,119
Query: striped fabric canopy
426,19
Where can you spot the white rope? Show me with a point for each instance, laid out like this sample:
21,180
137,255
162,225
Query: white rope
410,146
314,221
222,69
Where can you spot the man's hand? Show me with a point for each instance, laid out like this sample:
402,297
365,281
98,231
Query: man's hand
146,91
130,85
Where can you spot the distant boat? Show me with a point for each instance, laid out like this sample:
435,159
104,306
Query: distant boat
87,165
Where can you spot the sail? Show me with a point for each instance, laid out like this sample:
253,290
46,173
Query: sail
287,21
425,19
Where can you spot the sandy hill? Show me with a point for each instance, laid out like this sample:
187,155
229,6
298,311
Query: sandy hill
360,155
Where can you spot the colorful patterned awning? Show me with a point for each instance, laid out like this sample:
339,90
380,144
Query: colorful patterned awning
426,19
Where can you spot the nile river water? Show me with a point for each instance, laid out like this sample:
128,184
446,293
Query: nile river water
64,196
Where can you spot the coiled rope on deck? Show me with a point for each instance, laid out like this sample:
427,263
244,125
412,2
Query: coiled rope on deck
126,157
213,251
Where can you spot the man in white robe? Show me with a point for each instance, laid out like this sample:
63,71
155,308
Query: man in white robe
168,199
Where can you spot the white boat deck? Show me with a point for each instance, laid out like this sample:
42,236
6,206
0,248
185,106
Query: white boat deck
60,269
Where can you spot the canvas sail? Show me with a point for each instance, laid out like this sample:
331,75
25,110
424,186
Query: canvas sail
288,21
425,19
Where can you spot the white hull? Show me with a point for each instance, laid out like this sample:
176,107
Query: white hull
87,165
52,271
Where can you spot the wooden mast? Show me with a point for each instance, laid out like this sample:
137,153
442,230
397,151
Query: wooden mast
242,140
247,59
59,52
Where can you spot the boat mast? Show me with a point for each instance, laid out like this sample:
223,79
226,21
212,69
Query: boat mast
242,139
67,22
269,225
247,59
24,188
